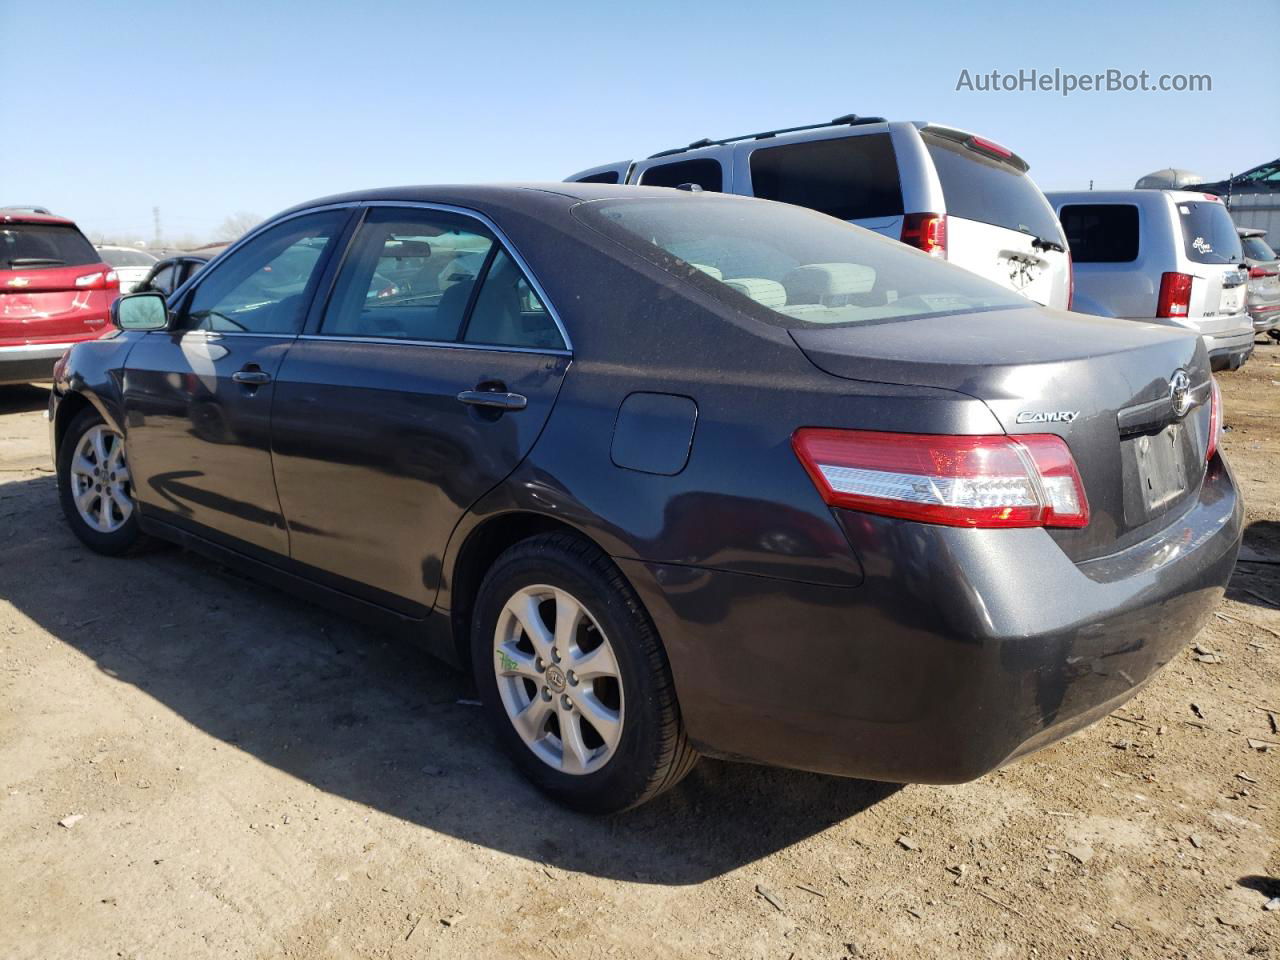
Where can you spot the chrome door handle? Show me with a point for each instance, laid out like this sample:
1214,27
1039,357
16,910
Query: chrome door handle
253,378
494,399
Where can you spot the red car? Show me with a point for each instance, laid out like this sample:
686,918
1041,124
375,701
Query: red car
55,290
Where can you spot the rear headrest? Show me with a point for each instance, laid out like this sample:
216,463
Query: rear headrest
767,293
709,271
818,282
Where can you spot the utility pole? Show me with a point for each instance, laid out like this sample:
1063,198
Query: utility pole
155,216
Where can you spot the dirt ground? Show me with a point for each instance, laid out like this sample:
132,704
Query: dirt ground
256,778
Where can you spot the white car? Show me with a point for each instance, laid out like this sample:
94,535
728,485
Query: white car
953,194
132,265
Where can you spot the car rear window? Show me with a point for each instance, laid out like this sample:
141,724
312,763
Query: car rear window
127,258
1208,233
981,188
44,245
609,176
705,172
1101,232
1255,248
790,266
851,178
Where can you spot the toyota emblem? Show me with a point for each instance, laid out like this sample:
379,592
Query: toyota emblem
1180,393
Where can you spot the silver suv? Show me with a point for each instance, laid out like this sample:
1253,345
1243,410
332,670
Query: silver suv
951,193
1161,255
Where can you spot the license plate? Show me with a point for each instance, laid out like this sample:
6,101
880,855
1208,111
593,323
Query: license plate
1162,467
1231,300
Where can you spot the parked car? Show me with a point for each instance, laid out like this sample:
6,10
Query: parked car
1164,255
1263,297
167,275
676,473
55,290
131,264
951,193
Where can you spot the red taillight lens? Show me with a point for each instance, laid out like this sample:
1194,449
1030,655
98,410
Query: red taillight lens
993,481
990,146
927,232
1175,295
102,280
1257,273
1215,418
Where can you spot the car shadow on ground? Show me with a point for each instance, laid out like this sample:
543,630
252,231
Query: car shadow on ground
1257,576
371,719
23,398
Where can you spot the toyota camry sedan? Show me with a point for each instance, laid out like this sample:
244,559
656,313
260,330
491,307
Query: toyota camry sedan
672,473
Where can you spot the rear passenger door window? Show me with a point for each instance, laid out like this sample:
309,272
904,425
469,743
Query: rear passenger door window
508,312
1101,232
705,172
164,279
851,178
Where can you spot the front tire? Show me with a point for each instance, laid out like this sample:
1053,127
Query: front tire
95,486
574,678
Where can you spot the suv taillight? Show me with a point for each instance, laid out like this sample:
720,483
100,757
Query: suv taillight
102,280
1257,273
958,481
1175,295
927,232
1215,418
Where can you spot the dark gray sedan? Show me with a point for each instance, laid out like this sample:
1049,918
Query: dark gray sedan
673,473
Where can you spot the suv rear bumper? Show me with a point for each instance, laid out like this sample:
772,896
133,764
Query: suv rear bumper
24,362
1230,349
962,649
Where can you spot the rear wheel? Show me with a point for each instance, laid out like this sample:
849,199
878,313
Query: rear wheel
95,485
1274,334
574,678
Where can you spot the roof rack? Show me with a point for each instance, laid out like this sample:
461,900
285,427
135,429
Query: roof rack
848,120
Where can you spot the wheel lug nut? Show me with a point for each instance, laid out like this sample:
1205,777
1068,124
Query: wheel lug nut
573,679
546,694
539,665
555,654
566,702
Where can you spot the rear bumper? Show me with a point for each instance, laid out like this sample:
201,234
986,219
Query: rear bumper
1265,317
24,362
961,650
1229,351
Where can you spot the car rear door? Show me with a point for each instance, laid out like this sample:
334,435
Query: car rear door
423,384
999,224
198,397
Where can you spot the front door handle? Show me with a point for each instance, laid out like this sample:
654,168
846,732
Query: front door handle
253,378
494,399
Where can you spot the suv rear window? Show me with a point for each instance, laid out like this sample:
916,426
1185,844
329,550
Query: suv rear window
1208,233
1255,248
127,258
1101,232
976,187
44,245
850,178
704,172
789,266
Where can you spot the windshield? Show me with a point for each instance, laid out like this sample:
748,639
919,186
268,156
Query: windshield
118,257
40,245
788,265
1255,248
1208,234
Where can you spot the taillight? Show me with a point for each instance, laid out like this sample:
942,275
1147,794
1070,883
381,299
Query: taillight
927,232
1215,418
959,481
1175,295
991,147
101,280
1257,273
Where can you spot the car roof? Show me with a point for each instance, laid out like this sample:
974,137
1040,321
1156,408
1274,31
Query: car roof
1113,196
19,216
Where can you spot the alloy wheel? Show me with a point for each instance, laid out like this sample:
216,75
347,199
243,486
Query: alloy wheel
559,680
100,483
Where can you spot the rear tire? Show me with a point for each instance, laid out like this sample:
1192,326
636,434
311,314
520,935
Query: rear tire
95,486
588,711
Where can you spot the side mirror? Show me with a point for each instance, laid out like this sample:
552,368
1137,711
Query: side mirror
140,311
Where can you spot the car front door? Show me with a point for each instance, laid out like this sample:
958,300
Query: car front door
198,396
423,384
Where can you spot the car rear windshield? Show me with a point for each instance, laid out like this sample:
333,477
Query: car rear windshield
790,266
37,245
852,178
127,258
981,188
1255,248
1208,234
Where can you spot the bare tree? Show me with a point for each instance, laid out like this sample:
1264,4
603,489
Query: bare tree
237,225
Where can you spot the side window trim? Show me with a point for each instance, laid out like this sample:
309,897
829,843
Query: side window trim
476,285
343,237
311,328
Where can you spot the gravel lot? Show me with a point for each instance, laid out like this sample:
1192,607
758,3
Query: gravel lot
253,777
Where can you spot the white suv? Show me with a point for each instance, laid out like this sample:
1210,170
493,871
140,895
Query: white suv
951,193
1170,255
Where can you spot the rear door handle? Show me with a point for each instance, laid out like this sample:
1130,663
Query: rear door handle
494,399
251,377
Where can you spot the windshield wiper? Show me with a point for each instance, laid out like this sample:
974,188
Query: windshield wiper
35,261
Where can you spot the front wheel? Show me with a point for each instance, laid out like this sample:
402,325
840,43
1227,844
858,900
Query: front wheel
574,678
95,485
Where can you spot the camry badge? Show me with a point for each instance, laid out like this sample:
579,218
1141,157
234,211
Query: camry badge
1047,416
1180,392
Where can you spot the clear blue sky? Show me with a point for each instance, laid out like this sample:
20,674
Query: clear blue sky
209,109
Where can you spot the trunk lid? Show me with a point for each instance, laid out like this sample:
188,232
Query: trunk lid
1104,386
